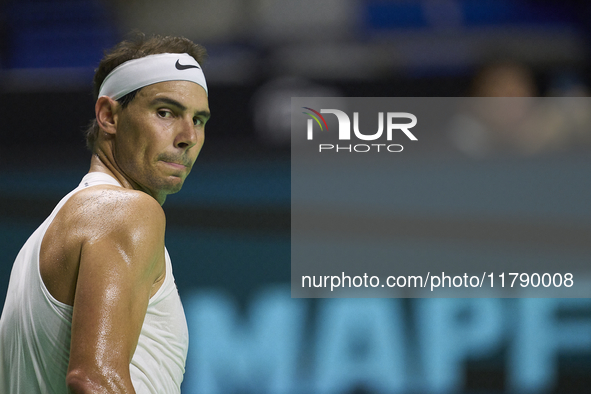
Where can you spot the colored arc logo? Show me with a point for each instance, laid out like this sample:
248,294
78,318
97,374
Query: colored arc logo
315,118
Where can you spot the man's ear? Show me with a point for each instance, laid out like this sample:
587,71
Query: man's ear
106,114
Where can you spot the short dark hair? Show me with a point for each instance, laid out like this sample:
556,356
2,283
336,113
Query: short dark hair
137,46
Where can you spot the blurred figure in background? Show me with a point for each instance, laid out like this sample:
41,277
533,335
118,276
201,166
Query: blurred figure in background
503,116
504,79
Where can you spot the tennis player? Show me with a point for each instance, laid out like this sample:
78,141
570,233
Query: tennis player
92,306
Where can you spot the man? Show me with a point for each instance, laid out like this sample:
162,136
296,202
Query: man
92,306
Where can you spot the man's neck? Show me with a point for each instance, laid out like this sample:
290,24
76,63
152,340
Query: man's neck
100,163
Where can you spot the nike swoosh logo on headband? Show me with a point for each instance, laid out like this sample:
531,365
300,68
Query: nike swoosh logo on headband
184,67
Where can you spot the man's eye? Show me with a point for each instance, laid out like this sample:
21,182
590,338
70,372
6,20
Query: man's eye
164,113
197,121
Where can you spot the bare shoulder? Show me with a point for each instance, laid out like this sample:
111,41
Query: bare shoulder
103,202
110,211
113,196
102,226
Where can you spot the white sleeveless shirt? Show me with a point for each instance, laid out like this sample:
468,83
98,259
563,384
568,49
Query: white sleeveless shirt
35,328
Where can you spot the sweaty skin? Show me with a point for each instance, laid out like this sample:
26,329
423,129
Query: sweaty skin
104,252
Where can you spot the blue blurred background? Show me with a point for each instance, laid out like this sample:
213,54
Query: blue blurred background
229,229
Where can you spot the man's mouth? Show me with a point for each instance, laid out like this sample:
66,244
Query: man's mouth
175,165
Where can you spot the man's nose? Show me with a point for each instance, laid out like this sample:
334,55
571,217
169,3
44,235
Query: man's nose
188,135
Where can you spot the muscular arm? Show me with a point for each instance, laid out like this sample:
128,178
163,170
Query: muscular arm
121,260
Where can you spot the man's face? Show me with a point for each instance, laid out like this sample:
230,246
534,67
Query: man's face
159,136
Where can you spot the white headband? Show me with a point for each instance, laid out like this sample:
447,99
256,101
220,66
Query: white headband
137,73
